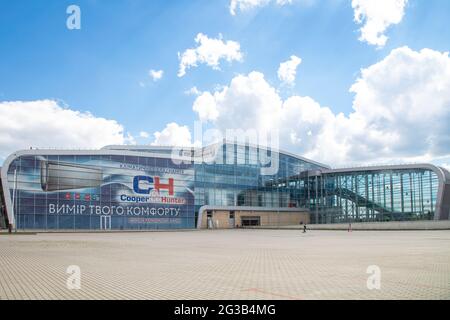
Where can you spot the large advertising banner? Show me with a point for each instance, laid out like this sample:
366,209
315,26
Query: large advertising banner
101,192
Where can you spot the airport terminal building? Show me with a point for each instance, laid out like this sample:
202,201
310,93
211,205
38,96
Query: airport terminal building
224,185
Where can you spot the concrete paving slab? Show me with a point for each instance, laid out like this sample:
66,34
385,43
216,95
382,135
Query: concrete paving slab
227,264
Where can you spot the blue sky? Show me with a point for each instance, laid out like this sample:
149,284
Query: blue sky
99,68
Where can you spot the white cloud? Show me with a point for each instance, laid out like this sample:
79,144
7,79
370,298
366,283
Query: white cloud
209,51
205,106
144,134
248,102
377,16
244,5
193,91
401,112
406,96
156,75
44,123
173,135
288,70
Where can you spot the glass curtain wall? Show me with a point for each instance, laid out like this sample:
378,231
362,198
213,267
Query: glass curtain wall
394,195
100,192
235,179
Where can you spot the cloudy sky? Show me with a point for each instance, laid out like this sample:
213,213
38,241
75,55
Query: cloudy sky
344,82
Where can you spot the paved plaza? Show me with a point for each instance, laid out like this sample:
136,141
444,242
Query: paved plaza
226,264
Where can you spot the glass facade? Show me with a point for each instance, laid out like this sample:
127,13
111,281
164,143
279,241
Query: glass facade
235,178
100,192
367,196
147,188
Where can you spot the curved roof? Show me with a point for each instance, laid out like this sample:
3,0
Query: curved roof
147,148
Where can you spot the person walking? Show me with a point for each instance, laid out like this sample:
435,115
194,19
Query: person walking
304,228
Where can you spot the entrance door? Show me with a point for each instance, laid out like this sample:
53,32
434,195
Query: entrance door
105,222
209,222
231,220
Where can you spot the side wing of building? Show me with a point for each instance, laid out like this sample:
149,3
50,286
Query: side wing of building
379,193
